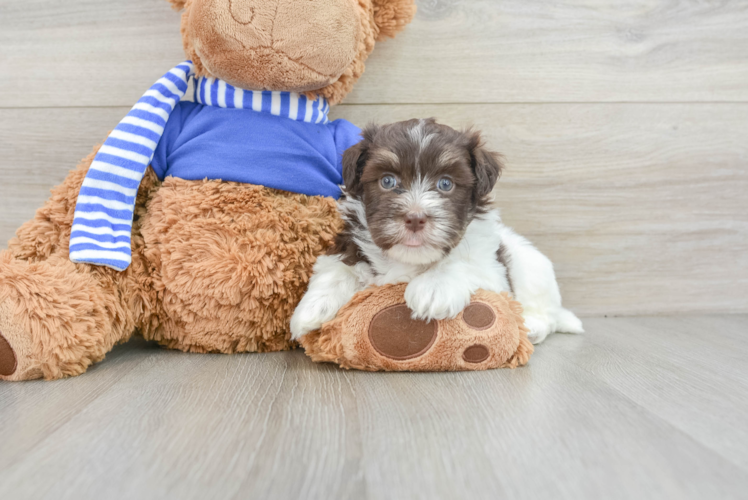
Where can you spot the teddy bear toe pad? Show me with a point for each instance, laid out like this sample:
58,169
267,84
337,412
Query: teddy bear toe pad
16,361
8,362
476,353
395,335
478,316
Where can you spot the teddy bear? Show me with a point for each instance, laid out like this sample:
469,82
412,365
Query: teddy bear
196,224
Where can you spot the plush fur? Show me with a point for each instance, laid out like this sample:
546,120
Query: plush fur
234,286
216,266
462,247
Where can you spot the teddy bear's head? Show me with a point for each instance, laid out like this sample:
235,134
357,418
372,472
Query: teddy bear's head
313,46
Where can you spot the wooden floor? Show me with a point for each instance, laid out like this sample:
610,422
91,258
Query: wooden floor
649,407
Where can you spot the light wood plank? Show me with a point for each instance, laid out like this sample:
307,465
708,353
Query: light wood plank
642,208
32,411
38,147
550,431
611,414
85,52
204,426
665,365
92,53
569,51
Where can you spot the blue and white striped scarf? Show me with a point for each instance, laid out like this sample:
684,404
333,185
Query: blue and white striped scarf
214,92
102,224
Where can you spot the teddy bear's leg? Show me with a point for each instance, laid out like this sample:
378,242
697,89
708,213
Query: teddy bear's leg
56,317
231,262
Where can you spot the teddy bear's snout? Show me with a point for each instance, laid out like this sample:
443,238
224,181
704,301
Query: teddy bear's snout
243,11
275,45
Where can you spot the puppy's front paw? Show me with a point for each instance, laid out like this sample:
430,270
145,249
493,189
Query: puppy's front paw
431,298
309,316
538,329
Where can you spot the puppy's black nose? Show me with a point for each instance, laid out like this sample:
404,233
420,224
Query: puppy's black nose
415,221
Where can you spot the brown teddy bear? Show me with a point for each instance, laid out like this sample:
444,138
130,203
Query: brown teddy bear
205,265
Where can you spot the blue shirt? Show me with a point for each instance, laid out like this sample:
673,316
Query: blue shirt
242,145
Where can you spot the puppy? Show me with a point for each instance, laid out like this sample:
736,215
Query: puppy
417,209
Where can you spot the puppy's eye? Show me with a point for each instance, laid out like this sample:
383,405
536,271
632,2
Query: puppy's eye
388,182
445,184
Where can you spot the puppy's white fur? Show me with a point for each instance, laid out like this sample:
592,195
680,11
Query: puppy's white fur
440,286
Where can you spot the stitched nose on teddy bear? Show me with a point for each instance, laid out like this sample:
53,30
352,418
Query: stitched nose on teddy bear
286,45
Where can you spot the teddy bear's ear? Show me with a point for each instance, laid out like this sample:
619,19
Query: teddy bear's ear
177,4
392,16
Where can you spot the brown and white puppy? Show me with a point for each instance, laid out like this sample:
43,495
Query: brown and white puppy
417,209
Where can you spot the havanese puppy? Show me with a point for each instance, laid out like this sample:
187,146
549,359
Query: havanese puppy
417,209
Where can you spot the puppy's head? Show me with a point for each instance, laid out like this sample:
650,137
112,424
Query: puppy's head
420,183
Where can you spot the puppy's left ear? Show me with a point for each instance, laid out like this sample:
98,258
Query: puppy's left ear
354,159
487,165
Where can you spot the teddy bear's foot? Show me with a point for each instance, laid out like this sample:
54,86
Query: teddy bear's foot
16,362
8,361
375,331
56,319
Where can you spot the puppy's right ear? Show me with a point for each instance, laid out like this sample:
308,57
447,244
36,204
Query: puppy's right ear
354,160
487,165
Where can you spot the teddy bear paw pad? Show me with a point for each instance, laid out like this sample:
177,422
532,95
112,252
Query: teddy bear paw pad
478,316
395,335
476,353
8,362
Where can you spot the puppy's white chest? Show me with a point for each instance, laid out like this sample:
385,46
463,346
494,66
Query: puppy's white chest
396,272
